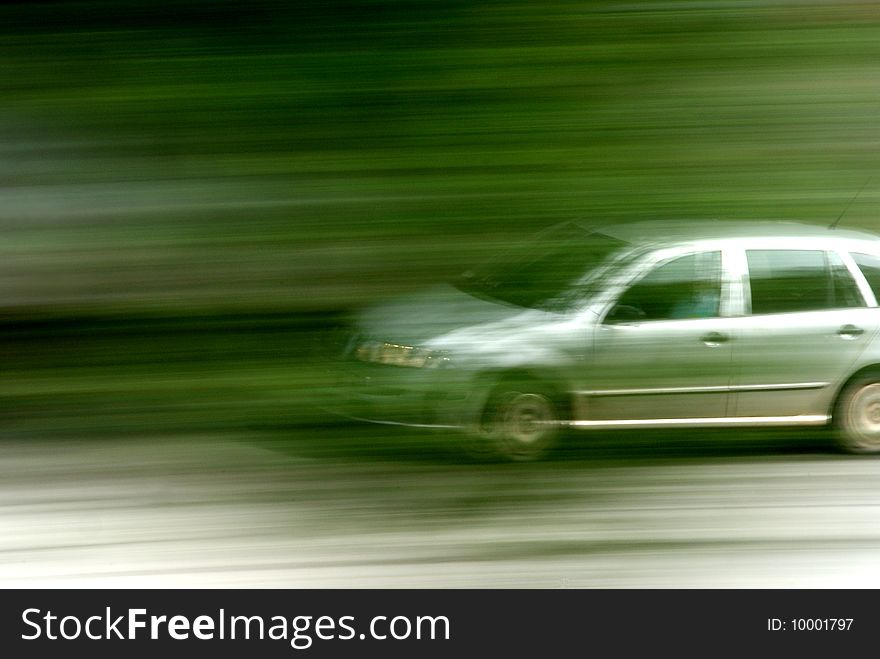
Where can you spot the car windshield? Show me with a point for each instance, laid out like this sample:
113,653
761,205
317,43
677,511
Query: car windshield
541,273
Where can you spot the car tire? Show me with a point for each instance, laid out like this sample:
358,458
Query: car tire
521,422
857,417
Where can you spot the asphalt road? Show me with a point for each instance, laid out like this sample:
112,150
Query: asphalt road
356,507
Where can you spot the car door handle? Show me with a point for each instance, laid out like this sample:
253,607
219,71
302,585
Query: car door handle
850,332
714,338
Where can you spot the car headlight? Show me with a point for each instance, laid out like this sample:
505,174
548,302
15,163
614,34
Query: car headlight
394,354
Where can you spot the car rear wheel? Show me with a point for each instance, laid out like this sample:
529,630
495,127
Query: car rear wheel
521,423
857,417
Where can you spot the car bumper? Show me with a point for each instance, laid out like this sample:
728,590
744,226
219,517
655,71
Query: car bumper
421,398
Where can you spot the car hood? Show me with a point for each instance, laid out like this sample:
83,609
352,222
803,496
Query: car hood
417,318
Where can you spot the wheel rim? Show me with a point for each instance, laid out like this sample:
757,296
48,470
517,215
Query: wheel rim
863,417
528,420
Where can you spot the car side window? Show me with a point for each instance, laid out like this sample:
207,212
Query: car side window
870,267
685,287
846,293
787,281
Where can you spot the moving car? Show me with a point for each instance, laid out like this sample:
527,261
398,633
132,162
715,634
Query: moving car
641,325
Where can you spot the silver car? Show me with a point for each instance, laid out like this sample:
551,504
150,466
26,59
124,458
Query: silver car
643,325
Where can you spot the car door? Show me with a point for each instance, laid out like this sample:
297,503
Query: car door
663,350
806,322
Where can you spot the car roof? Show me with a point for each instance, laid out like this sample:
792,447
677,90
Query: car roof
676,231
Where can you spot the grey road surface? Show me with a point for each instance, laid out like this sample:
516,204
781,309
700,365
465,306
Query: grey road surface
239,511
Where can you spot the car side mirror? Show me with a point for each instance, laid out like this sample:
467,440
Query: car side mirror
624,313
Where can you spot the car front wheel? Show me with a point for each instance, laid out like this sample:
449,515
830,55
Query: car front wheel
521,423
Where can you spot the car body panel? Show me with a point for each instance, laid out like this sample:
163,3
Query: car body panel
689,373
789,364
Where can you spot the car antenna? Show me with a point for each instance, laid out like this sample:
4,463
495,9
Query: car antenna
833,225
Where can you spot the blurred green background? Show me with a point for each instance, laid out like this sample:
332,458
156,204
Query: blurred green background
191,194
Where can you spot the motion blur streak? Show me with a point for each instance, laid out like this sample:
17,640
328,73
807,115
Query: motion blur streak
193,195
